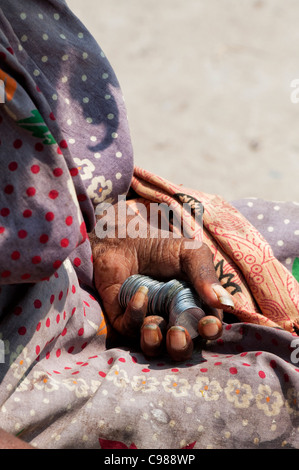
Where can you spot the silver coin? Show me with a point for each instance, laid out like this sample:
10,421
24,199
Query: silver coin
174,300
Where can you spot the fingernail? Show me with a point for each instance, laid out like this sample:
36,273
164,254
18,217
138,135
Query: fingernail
223,297
140,297
150,334
177,337
209,327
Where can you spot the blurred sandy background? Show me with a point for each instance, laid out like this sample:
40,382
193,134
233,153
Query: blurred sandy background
207,89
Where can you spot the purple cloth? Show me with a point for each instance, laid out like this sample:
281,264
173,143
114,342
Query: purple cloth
65,147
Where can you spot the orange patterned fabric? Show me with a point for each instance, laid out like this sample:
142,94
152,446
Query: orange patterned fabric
264,291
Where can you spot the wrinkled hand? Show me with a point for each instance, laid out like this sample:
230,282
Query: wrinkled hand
161,258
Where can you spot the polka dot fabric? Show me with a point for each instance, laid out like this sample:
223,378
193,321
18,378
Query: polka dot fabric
278,222
65,147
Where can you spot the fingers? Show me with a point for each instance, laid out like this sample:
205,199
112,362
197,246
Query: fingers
152,335
133,317
179,344
210,327
173,258
198,266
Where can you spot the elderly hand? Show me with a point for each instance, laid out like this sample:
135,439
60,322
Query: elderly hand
115,259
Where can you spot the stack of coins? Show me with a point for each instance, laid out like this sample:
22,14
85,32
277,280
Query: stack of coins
174,300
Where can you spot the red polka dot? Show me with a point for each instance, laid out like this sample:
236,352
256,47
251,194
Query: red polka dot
286,377
17,311
2,230
59,151
22,330
84,345
30,191
35,169
245,364
58,318
58,352
258,353
49,216
2,55
69,220
262,374
57,264
77,262
48,355
83,231
53,194
10,49
217,363
52,117
64,242
37,303
63,144
52,298
37,350
203,370
27,213
25,276
73,289
228,327
233,370
36,259
43,238
74,171
38,326
39,147
5,273
70,350
17,143
48,322
82,197
60,295
22,234
5,212
57,172
110,361
81,332
9,189
273,364
13,166
64,332
121,359
15,255
145,370
102,374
